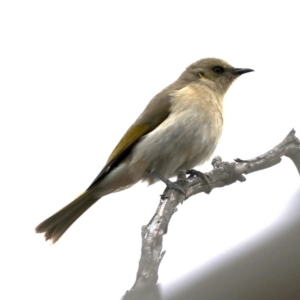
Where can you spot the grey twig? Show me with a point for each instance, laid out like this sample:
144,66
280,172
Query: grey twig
223,173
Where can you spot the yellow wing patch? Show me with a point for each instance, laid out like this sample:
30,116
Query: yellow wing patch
133,134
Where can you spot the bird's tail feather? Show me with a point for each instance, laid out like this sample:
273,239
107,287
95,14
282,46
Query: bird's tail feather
56,225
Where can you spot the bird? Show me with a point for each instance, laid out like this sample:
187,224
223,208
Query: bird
178,130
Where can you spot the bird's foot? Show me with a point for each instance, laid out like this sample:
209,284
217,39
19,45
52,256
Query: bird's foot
204,177
169,184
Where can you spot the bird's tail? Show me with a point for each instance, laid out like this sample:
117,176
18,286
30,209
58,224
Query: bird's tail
56,225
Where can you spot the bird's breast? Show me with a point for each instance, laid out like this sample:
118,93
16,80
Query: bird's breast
187,137
199,111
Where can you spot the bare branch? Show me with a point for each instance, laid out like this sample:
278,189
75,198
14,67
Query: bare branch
223,173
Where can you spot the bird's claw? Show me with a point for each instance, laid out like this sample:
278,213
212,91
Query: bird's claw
204,177
169,184
175,186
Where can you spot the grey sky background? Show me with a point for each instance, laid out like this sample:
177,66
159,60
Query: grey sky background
74,76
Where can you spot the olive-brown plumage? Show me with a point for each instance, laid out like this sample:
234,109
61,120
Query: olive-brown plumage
179,129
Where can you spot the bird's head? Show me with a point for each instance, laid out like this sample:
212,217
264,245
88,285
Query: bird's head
214,72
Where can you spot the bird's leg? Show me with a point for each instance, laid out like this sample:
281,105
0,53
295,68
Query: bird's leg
204,177
169,184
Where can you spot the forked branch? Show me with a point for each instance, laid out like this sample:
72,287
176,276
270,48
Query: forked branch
222,174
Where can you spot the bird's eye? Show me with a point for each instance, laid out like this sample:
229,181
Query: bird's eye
218,70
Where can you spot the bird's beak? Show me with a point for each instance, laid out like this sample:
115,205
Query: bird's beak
241,71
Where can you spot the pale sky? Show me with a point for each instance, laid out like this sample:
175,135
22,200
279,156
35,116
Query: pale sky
74,76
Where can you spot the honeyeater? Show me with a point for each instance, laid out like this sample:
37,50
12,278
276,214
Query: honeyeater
178,129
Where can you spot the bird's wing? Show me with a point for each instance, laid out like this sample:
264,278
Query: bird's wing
154,114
